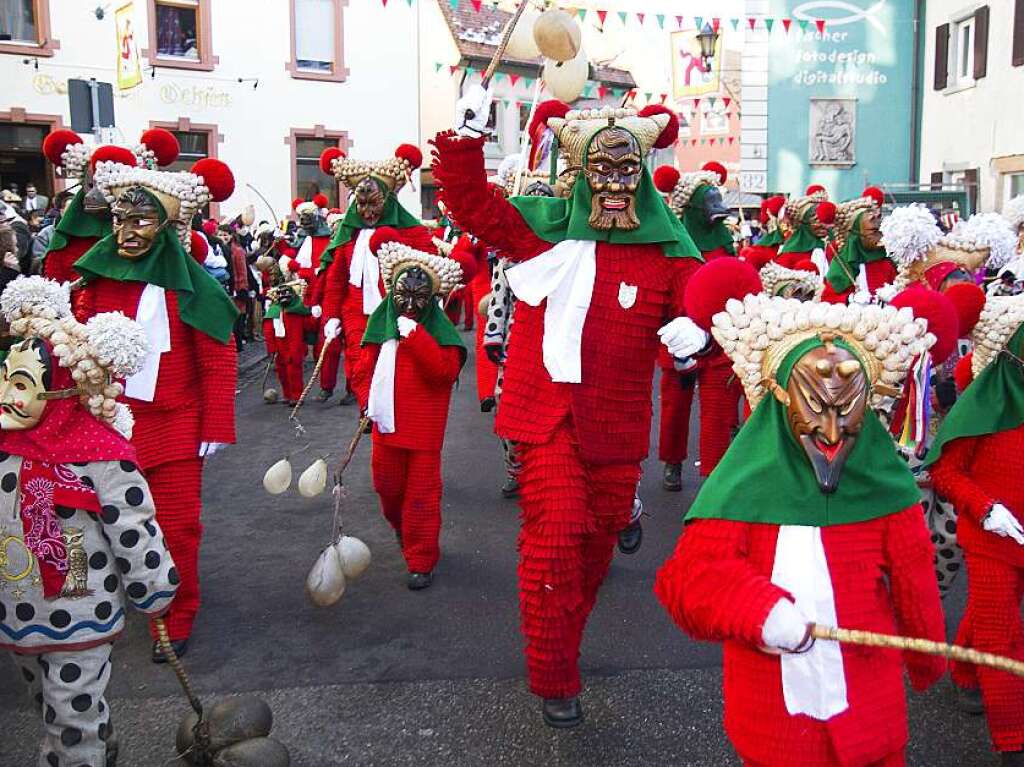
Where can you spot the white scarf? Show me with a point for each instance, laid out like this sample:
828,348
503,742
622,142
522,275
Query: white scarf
565,277
304,258
381,407
152,315
365,272
813,682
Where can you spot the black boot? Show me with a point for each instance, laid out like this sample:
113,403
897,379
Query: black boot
562,713
1012,759
511,487
631,537
324,395
968,700
180,647
348,400
113,746
673,477
487,404
419,581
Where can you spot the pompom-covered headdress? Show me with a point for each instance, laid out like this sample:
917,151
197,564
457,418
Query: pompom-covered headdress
774,276
986,231
395,257
108,347
1013,212
1000,319
847,213
680,193
796,208
393,172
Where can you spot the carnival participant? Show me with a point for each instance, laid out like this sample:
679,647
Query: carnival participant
808,220
602,270
766,248
411,359
285,321
860,264
183,398
811,518
352,289
81,540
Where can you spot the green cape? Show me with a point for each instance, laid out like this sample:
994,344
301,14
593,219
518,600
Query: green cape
202,302
77,223
802,239
393,215
706,236
383,325
994,402
766,477
294,306
848,260
771,239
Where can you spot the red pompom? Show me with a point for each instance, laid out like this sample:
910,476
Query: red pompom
321,201
670,132
714,284
328,156
968,300
826,212
210,227
665,178
962,372
217,176
55,143
297,202
875,194
815,189
200,247
382,235
757,257
163,144
410,154
805,266
111,153
717,167
545,111
771,207
940,313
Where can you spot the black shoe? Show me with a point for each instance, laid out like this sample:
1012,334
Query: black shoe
1012,759
348,400
113,746
419,581
324,395
631,537
180,647
487,404
672,480
511,488
562,713
968,700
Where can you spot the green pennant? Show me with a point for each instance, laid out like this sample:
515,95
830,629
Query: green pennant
454,4
470,72
498,77
647,96
661,20
735,24
582,13
622,16
703,141
437,66
803,24
699,22
529,81
768,24
409,2
618,92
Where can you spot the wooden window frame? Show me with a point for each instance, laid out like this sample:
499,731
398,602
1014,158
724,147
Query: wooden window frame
204,29
45,46
19,115
214,140
339,72
319,132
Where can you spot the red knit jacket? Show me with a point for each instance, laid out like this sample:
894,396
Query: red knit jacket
58,264
424,375
195,390
878,273
312,276
717,587
611,408
976,472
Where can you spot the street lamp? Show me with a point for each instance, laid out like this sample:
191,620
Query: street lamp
708,39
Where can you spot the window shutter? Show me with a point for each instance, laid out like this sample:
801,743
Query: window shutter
937,179
941,56
980,42
1018,34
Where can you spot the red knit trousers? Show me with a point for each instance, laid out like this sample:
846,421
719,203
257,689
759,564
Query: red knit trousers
676,404
290,351
177,494
572,513
965,674
332,361
895,759
994,591
409,485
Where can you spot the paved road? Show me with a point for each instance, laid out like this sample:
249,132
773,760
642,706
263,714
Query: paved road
389,677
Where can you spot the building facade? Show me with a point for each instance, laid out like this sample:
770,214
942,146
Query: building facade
972,110
264,86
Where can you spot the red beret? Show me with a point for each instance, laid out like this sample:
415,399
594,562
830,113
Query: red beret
717,167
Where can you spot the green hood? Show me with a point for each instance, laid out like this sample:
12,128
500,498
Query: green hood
842,272
393,215
707,237
77,223
802,239
383,325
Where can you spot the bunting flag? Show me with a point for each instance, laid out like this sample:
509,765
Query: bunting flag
732,139
679,22
513,79
476,5
622,16
803,24
786,24
699,22
693,142
820,24
663,97
768,24
601,92
454,4
727,101
751,22
640,17
582,13
715,24
437,66
454,68
735,24
711,141
661,20
602,15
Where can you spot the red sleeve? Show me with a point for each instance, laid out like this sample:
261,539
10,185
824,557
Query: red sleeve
83,303
682,270
459,172
418,237
915,592
951,476
362,376
218,367
829,295
710,590
335,279
440,365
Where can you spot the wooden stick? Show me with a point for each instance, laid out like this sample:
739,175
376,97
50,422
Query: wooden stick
164,640
914,644
312,378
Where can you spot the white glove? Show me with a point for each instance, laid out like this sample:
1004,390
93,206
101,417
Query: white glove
406,325
887,292
206,449
282,264
316,311
683,338
861,297
332,329
473,110
1000,520
785,628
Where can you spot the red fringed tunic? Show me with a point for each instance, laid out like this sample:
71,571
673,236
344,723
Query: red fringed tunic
878,273
717,587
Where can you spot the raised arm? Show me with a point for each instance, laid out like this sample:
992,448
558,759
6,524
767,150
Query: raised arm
951,476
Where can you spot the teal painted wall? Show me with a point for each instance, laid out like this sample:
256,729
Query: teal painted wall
867,53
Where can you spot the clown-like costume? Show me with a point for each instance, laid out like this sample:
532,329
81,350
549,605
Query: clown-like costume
79,535
412,356
601,272
697,199
183,398
808,231
767,246
810,517
860,264
972,463
352,288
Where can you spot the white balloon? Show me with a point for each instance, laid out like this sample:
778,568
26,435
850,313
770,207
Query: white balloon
355,556
314,479
566,80
521,44
278,477
557,35
325,583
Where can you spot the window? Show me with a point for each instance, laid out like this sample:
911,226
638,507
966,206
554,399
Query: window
317,40
307,178
1014,185
963,44
179,34
1017,46
962,53
25,28
21,157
